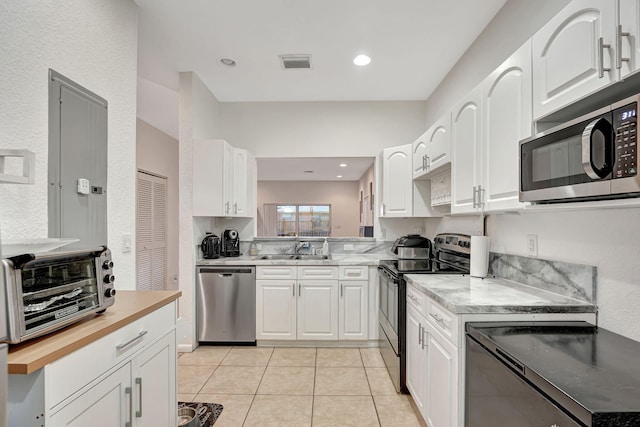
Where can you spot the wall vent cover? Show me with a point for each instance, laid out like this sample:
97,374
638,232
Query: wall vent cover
295,61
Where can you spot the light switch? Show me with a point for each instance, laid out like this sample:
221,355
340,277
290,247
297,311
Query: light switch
126,243
83,186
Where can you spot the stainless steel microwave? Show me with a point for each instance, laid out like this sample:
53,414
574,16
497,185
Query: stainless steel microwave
45,292
592,157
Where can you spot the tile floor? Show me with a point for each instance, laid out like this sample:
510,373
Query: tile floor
261,386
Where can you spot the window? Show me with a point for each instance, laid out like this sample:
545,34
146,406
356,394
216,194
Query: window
300,220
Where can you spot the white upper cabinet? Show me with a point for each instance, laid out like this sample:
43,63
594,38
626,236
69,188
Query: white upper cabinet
397,181
506,107
431,152
466,153
574,55
223,180
627,37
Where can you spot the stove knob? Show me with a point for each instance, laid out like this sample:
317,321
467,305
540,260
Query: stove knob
109,278
107,265
109,292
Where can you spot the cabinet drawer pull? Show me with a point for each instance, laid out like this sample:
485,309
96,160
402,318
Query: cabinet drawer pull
128,343
139,411
129,422
438,318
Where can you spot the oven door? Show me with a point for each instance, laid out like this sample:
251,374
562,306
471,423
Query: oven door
497,396
388,316
569,162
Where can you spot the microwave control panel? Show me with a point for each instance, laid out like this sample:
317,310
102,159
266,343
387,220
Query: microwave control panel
626,147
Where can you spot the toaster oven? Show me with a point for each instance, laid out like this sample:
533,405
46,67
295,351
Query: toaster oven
46,292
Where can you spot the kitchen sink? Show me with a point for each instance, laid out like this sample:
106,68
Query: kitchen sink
294,257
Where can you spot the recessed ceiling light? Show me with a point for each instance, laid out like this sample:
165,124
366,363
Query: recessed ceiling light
338,176
361,60
228,62
343,165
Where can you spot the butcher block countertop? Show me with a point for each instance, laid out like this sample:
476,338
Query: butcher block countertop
28,357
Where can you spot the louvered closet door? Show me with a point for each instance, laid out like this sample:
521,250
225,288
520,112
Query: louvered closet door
151,244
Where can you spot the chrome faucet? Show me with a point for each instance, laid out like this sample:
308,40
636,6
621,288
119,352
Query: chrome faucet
301,245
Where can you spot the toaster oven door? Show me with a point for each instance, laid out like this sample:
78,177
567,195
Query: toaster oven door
52,293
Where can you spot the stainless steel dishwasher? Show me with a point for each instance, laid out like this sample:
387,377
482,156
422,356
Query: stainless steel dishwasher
226,304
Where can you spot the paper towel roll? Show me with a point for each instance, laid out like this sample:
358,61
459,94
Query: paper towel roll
479,256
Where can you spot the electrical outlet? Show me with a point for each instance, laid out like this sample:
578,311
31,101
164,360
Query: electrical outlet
532,244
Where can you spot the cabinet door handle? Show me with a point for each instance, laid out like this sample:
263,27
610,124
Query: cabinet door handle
341,289
128,343
299,289
420,333
235,208
480,196
294,289
601,47
428,159
425,338
129,422
474,197
424,162
139,384
619,35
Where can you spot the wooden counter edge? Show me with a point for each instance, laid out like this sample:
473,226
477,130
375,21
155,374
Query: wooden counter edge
28,357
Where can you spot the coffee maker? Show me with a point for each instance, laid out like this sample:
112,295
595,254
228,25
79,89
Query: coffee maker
230,243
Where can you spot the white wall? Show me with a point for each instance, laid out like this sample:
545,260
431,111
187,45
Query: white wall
342,196
157,153
321,129
606,238
158,106
94,43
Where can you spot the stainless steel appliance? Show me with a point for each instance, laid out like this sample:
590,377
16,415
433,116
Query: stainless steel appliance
230,243
451,256
550,374
210,246
226,304
47,291
592,157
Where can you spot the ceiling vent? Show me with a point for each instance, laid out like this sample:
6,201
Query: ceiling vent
295,61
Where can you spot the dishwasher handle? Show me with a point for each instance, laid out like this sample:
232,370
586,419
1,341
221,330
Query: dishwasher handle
227,272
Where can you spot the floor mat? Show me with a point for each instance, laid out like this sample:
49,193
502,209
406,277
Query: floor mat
207,412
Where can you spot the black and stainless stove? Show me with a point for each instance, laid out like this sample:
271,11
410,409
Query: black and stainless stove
451,255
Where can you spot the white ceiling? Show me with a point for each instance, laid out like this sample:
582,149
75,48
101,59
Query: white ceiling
412,43
324,168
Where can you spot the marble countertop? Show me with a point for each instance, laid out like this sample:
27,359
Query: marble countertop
465,294
336,259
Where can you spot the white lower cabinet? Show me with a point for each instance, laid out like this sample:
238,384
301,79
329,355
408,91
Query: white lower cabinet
416,379
353,316
140,393
436,353
276,309
310,303
104,404
442,383
126,378
317,310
